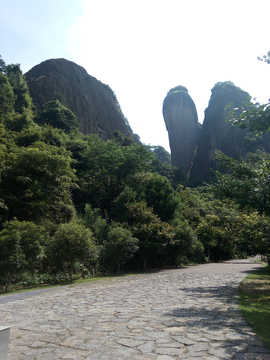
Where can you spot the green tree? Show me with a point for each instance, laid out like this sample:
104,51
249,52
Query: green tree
72,243
254,116
208,232
185,245
200,207
159,194
107,168
153,234
2,65
21,249
23,101
58,116
28,135
253,233
253,173
154,189
172,173
36,184
7,99
15,101
92,219
120,245
192,206
247,182
122,139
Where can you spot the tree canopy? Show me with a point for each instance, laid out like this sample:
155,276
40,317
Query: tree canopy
58,116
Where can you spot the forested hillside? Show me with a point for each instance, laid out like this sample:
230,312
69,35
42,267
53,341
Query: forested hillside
70,202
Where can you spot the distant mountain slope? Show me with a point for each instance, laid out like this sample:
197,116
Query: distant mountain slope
93,102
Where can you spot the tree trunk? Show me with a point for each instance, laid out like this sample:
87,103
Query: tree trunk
119,267
208,252
144,264
7,285
70,276
175,261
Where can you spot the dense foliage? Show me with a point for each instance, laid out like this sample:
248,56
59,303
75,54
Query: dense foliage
247,181
70,202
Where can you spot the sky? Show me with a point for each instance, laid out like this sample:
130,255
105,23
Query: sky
143,48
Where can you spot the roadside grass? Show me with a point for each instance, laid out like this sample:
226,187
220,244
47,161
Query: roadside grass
255,302
16,288
20,289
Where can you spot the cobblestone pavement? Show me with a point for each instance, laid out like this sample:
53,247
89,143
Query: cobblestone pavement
190,313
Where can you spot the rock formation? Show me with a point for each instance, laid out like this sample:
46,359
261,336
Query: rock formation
217,133
181,120
93,102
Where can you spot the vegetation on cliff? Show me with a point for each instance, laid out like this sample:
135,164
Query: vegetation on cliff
177,89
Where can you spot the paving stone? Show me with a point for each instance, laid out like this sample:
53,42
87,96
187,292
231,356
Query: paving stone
100,356
124,351
156,334
195,356
259,349
199,346
170,345
129,342
172,314
147,347
183,340
164,340
251,356
221,353
169,351
144,357
197,337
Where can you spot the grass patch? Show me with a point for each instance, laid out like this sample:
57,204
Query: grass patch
20,289
17,290
255,302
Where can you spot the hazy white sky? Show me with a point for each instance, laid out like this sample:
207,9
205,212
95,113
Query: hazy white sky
143,48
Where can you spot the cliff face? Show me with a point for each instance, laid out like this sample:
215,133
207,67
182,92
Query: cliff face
181,121
216,133
92,102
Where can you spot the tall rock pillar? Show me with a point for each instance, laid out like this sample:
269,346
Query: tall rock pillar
216,133
181,119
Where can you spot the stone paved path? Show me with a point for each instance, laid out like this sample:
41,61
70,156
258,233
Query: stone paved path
190,313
